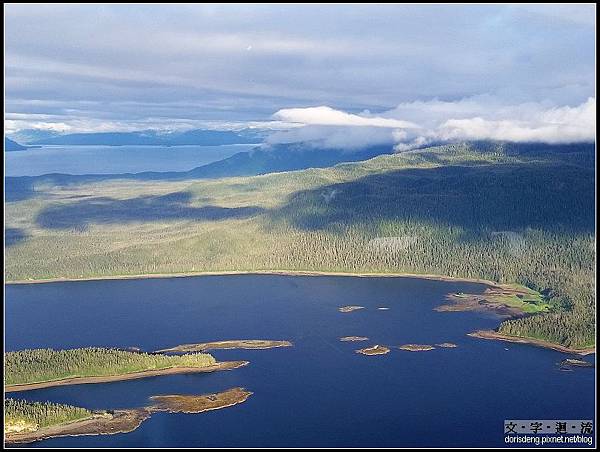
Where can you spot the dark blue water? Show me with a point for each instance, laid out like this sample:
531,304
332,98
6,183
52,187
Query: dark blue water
316,393
114,159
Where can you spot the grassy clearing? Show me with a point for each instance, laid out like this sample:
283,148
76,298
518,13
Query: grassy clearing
527,300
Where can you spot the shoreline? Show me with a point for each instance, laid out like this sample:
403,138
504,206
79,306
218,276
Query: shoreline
494,335
122,421
431,277
109,422
258,272
225,365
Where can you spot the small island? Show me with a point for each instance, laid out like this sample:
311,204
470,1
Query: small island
572,362
374,350
248,344
199,403
416,347
350,308
43,368
353,338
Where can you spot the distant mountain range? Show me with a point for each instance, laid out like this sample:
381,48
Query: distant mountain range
26,136
260,160
288,157
199,137
10,145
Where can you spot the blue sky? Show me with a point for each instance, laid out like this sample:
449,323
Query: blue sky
519,69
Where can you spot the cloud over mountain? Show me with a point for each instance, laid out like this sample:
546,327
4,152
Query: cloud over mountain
419,123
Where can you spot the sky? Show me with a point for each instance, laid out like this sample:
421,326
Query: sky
345,75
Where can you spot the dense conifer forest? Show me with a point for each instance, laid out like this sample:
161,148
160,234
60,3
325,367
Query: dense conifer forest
504,212
40,365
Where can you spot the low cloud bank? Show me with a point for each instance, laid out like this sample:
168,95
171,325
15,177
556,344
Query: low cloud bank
417,124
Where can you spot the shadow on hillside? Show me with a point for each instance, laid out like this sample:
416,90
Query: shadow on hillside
493,197
103,210
18,189
12,236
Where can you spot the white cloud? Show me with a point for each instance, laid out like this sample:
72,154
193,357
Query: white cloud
241,63
554,125
327,116
336,137
420,123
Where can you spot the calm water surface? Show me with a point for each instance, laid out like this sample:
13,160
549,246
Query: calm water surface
114,159
316,393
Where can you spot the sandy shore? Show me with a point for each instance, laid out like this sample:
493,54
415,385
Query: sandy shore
494,335
226,365
259,272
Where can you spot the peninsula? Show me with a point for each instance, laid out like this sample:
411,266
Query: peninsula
248,344
43,368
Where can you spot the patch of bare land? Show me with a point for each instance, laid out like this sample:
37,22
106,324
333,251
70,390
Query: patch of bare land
101,423
416,347
353,338
250,344
494,335
225,365
502,300
446,345
350,308
199,403
374,350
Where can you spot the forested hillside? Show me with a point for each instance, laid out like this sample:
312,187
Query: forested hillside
508,213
